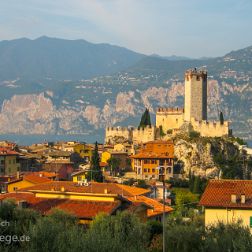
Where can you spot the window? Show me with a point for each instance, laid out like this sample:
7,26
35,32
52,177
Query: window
145,170
153,170
148,170
153,161
2,162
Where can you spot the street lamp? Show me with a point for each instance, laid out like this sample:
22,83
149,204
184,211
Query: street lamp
161,175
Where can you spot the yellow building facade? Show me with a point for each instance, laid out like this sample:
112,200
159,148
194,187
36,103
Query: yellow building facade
152,156
228,201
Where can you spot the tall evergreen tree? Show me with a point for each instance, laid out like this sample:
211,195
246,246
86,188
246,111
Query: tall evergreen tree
95,173
145,119
221,118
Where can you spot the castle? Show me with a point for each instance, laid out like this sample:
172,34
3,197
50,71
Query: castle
171,121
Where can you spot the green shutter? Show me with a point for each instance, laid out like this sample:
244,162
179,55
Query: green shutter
250,221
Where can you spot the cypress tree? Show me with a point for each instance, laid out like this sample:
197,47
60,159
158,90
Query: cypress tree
148,119
145,119
221,118
95,173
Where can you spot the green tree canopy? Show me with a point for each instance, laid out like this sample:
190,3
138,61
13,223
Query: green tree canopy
114,165
95,173
145,119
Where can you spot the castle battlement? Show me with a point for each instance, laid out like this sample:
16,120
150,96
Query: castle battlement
170,111
196,73
210,128
119,129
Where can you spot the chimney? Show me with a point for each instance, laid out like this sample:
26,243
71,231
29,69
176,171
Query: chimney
62,189
243,199
233,198
18,175
105,190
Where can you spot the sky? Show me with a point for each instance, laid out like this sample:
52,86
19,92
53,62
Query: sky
192,28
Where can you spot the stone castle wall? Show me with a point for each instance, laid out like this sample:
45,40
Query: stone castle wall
210,129
169,118
118,132
143,135
135,135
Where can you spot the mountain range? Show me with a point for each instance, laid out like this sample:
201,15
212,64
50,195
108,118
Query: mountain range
55,86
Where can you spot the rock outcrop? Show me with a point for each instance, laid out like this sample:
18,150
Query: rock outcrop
198,155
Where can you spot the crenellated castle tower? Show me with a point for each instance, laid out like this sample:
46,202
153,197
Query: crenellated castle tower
195,95
175,120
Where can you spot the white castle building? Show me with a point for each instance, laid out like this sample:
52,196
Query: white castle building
193,117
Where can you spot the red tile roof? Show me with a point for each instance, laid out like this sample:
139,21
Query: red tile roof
218,194
157,207
94,187
7,151
35,178
46,174
80,208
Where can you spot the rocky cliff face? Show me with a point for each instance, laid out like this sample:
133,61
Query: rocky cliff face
89,105
198,155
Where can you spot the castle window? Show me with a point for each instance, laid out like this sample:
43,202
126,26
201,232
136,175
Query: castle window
197,78
176,120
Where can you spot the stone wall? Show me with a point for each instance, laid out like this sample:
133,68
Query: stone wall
143,135
210,129
169,118
113,133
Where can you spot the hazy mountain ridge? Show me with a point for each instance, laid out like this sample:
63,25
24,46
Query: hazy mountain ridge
90,104
61,59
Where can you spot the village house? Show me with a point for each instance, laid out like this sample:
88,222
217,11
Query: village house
85,201
228,201
153,156
9,163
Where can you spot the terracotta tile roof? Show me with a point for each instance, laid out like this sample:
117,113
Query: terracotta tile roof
218,194
7,151
35,178
96,188
46,174
157,207
82,209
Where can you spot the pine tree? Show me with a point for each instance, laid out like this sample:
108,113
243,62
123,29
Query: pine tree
95,173
221,118
145,119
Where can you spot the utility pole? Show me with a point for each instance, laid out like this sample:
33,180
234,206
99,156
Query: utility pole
162,178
